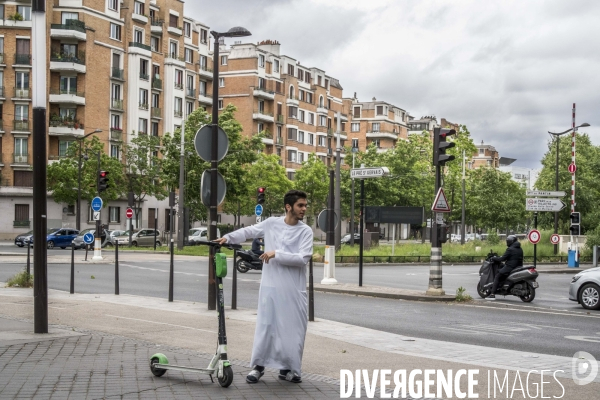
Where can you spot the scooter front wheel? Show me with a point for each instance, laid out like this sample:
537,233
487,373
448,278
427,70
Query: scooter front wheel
239,265
530,296
227,377
483,293
158,358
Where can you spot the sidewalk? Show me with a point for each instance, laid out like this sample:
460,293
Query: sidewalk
99,347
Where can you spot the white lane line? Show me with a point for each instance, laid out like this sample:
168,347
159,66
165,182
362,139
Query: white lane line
570,314
475,332
183,273
25,304
159,323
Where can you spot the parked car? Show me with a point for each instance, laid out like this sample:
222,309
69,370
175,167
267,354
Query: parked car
115,234
346,238
469,237
20,240
585,288
455,237
143,237
59,237
200,234
80,244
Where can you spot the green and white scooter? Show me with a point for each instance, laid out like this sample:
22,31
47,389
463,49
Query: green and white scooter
219,365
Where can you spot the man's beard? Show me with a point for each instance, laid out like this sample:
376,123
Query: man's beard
297,215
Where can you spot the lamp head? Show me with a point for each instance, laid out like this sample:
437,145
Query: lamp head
85,157
236,31
584,125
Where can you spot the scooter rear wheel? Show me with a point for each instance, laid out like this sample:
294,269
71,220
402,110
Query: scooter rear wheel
481,292
227,377
529,298
239,265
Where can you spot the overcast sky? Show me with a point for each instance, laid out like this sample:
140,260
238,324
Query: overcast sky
508,70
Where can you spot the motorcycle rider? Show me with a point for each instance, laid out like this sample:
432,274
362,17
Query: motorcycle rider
513,258
256,246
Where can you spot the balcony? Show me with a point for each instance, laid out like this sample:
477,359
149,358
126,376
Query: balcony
322,110
156,112
60,61
21,224
190,92
117,73
156,26
205,98
263,93
261,115
157,84
292,101
22,93
62,127
116,104
176,30
178,86
144,77
116,134
71,29
1,129
22,59
142,19
382,135
69,96
143,106
174,59
20,158
279,119
344,117
178,113
140,48
205,72
21,125
279,141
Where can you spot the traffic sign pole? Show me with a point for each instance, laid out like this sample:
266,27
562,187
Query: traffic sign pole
535,215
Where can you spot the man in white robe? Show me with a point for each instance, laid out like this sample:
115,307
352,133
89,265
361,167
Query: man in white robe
282,306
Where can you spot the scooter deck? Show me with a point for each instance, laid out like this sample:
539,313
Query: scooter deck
185,369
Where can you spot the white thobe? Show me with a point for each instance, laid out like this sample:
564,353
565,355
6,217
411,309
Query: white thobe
282,302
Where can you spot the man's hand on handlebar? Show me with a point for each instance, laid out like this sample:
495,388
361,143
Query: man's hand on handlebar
221,240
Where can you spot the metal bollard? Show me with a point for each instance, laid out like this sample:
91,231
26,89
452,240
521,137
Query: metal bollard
595,261
311,293
234,285
87,247
171,272
72,289
28,261
116,267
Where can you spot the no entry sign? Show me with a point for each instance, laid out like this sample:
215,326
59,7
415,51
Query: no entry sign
129,213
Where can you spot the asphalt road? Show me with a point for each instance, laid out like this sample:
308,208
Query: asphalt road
551,324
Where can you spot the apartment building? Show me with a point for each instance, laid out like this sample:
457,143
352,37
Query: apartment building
427,123
377,122
485,156
126,67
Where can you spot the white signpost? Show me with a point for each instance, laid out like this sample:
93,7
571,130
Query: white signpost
96,216
552,205
545,193
373,172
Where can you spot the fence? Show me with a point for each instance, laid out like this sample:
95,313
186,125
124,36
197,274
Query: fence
449,259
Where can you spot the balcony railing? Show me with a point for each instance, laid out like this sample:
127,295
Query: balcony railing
190,92
279,118
1,91
179,86
22,59
143,106
145,77
117,73
22,125
204,93
175,56
116,133
156,112
67,91
140,45
70,24
117,104
22,93
279,141
19,158
263,112
205,68
62,123
156,83
1,130
178,113
157,22
60,56
21,224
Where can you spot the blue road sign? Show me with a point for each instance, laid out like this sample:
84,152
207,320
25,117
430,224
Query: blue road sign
96,204
88,238
258,210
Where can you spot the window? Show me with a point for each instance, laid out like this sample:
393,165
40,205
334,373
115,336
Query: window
290,175
379,110
311,139
21,112
1,47
290,69
291,156
63,146
202,88
138,36
262,83
220,104
301,115
322,120
221,82
22,212
114,214
355,127
143,99
20,149
113,4
355,143
376,143
67,113
300,136
144,69
23,178
173,21
275,65
116,92
376,126
138,8
23,47
292,112
481,151
115,31
203,62
189,82
154,129
291,92
309,97
115,121
300,75
25,11
173,52
300,94
114,151
1,11
65,16
223,60
321,140
326,83
154,43
189,108
261,60
311,118
187,29
261,106
278,87
319,80
179,79
143,126
203,36
260,127
189,56
292,133
307,77
178,106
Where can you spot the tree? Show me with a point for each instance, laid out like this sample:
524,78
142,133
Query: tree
313,179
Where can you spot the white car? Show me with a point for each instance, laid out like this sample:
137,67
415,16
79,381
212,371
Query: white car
196,235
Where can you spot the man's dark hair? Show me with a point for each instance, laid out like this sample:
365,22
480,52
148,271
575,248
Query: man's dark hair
292,197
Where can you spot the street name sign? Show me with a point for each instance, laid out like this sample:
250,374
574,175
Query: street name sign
96,203
545,193
534,236
440,204
373,172
258,210
552,205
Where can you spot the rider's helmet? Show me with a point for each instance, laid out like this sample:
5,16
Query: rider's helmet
510,240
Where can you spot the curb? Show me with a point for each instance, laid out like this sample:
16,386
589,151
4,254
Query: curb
388,295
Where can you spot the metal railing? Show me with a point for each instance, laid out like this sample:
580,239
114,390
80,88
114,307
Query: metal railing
22,93
117,104
279,141
179,86
156,112
116,133
262,112
205,68
204,93
19,158
70,24
448,259
143,106
190,92
1,58
67,91
157,22
178,113
140,45
117,73
156,83
61,56
60,123
279,118
1,127
145,77
22,125
21,224
264,90
175,56
22,59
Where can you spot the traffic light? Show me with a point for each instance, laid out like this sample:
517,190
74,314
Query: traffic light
440,145
575,228
103,181
260,195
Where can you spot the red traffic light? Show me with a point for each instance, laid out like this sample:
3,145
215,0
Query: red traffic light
261,190
103,174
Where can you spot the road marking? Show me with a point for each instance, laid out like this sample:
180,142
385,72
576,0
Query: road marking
592,339
184,273
476,332
25,304
159,323
571,314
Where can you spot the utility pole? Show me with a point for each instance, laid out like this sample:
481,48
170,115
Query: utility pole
352,204
338,162
181,216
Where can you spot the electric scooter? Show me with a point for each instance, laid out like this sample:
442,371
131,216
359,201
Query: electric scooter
219,365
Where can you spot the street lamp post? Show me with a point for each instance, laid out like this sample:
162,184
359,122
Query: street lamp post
212,231
557,136
78,218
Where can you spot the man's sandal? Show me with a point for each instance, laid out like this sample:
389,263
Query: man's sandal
291,377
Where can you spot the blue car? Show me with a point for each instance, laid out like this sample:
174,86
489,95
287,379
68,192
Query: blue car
60,237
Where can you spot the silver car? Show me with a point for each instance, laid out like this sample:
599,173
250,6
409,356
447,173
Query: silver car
585,288
143,237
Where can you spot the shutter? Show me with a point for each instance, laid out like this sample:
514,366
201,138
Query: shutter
151,216
21,212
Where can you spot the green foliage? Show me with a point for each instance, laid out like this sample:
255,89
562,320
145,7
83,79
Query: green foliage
462,295
15,17
313,179
493,237
21,279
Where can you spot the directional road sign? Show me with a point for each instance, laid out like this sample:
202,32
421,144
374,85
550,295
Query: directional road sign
88,238
96,216
96,204
129,213
544,193
552,205
555,239
258,219
373,172
440,204
258,210
534,236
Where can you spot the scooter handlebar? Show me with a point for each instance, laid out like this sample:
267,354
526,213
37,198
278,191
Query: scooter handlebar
229,246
